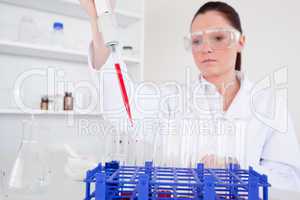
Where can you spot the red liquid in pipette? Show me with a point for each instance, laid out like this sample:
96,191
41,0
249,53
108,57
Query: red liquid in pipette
123,91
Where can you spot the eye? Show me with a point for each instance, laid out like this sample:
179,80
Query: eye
218,38
196,42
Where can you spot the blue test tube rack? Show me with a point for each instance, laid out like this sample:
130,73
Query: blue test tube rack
115,182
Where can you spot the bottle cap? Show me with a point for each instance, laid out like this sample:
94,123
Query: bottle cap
58,26
45,98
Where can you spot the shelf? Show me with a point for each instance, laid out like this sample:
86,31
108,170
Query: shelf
48,52
18,48
72,9
125,18
131,60
40,112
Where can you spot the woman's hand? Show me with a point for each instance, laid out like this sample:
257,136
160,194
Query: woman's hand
89,7
100,50
213,161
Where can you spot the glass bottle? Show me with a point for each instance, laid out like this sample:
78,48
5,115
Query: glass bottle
68,101
58,34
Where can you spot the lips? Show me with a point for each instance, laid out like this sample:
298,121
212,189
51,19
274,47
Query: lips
209,60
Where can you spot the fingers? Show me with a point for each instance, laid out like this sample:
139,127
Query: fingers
213,161
89,7
230,160
113,4
209,161
221,162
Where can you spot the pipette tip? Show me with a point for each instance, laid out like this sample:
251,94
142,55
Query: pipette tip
131,122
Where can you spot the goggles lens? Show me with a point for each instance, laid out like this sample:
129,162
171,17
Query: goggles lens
216,39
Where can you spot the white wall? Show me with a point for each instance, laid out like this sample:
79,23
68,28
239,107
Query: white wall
271,28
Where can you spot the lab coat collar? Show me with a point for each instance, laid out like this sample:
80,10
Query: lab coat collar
237,109
209,87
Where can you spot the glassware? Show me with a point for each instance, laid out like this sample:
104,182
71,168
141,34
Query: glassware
28,30
58,34
68,101
8,29
30,173
44,103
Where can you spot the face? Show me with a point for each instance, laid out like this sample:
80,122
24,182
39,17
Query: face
215,62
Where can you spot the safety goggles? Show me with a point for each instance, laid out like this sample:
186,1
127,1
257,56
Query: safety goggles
217,39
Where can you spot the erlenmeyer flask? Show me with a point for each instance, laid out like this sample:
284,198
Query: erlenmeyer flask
29,175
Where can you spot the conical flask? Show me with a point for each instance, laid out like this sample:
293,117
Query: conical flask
30,174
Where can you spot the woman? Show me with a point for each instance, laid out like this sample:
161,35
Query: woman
216,40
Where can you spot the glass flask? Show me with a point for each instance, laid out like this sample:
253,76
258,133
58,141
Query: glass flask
30,174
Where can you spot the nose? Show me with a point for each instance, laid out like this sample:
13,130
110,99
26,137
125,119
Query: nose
205,48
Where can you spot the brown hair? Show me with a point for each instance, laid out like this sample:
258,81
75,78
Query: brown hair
230,14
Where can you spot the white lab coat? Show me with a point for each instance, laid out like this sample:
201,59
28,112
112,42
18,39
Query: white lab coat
255,141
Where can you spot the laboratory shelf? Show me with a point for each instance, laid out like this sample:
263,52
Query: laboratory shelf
148,182
72,8
41,51
51,52
126,18
45,113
